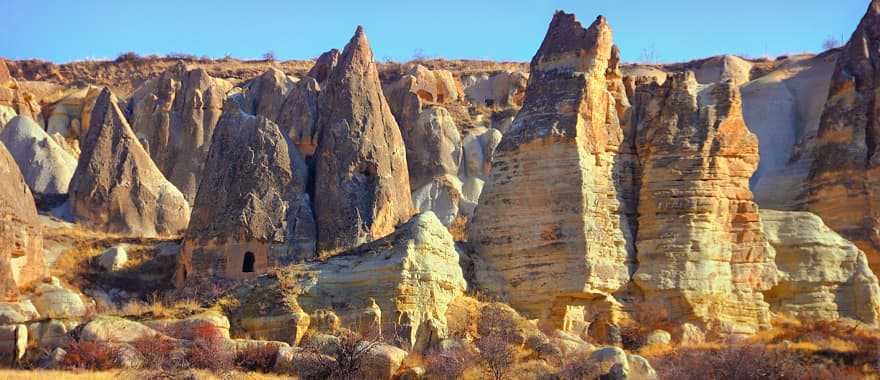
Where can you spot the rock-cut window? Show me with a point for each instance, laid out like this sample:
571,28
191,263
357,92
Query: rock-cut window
247,266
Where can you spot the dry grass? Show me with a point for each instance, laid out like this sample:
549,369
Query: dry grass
156,309
11,374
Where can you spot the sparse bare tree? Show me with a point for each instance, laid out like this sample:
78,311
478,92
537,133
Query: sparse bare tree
831,43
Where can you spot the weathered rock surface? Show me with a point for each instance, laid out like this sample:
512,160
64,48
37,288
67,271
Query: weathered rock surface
325,65
822,276
175,116
554,222
702,253
298,117
187,328
57,302
69,115
362,186
116,330
504,89
254,202
14,98
113,258
842,187
783,109
117,187
412,274
46,166
21,253
265,94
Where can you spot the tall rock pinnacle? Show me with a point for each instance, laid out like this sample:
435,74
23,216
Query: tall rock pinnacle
362,186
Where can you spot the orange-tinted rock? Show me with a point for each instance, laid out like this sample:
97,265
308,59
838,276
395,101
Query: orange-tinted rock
702,254
843,186
21,236
362,186
554,224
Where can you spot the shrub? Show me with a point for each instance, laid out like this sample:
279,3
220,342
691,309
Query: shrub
578,366
269,56
345,362
93,356
498,355
450,364
128,57
256,358
160,353
209,350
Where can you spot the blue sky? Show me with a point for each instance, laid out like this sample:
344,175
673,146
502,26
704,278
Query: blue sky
671,30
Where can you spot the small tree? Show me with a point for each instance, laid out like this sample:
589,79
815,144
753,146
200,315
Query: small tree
269,56
830,43
498,355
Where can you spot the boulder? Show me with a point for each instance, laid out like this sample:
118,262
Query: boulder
116,187
413,275
51,333
113,258
608,357
822,276
188,327
362,188
382,361
555,222
254,213
443,197
843,185
504,89
21,254
47,168
658,337
57,302
702,254
175,115
288,328
23,311
640,368
112,329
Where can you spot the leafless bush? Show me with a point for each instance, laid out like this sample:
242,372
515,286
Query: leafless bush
450,364
95,356
498,355
161,354
831,43
269,56
256,358
499,321
128,57
209,349
578,366
345,361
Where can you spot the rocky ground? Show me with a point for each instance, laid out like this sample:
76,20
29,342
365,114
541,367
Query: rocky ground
573,217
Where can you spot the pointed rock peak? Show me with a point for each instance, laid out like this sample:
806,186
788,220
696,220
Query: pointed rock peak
324,65
566,37
358,51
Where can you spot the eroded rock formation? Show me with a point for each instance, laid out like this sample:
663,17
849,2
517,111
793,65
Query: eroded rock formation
15,100
555,221
822,276
702,253
362,186
175,115
46,166
116,186
254,213
845,173
21,235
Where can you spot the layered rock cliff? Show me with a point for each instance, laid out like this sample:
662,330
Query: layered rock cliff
555,221
845,174
702,253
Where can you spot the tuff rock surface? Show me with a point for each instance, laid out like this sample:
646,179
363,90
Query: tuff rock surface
254,199
845,173
822,276
554,222
362,188
21,250
702,253
116,186
174,115
46,166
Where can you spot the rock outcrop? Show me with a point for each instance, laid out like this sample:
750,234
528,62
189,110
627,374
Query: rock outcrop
69,115
362,186
46,166
253,213
554,224
504,89
15,100
842,187
412,275
822,276
298,117
702,253
21,250
175,115
265,94
117,187
783,109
